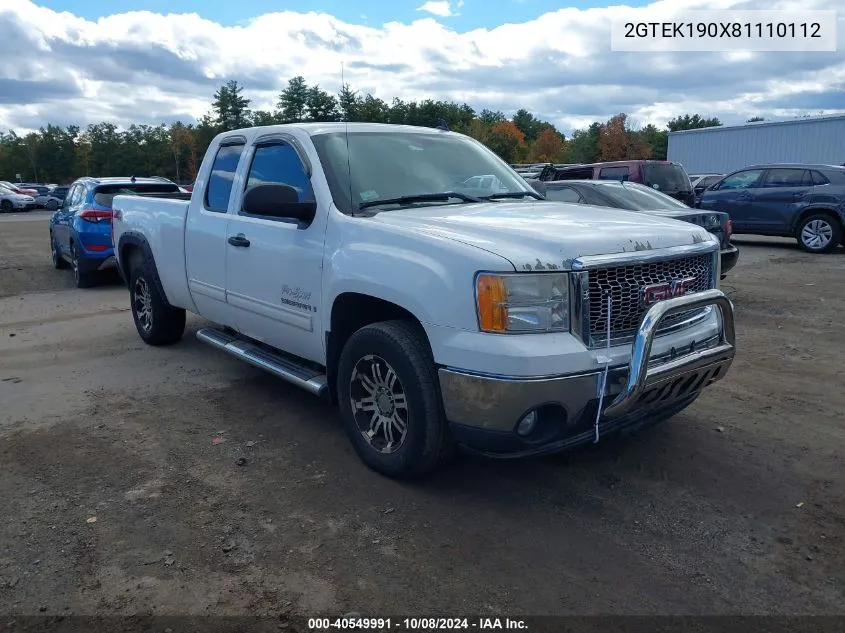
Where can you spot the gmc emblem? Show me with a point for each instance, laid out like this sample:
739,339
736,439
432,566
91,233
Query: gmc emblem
659,292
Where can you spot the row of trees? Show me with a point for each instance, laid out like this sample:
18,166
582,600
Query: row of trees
60,154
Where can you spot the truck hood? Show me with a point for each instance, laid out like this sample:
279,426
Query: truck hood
533,235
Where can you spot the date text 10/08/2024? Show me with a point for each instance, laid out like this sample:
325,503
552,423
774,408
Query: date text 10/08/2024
417,624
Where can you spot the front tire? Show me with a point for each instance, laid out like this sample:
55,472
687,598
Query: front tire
157,323
819,233
390,402
6,206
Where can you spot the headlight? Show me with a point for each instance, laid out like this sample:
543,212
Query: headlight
712,221
523,302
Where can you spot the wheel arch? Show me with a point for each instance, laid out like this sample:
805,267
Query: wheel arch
349,313
130,246
820,210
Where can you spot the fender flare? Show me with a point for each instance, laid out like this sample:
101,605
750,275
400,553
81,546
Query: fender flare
134,238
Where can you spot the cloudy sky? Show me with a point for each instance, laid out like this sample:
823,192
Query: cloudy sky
80,61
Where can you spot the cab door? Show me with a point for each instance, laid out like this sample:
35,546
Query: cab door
274,265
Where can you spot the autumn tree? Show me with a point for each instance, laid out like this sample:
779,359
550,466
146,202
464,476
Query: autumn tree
507,141
547,148
618,142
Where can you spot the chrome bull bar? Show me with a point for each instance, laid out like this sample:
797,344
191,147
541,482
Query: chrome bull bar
693,370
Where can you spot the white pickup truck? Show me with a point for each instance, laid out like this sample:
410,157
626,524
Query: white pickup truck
413,278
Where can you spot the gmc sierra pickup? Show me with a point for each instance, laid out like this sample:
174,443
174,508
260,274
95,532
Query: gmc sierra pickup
414,279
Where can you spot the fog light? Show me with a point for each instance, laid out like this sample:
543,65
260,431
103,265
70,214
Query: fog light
527,423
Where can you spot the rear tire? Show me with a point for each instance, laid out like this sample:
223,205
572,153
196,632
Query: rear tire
59,262
389,398
157,323
819,233
83,278
6,206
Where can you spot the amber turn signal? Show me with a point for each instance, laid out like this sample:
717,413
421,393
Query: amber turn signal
492,303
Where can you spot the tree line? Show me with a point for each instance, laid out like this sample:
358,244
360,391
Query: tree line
61,154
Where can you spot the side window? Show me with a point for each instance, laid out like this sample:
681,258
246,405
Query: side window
73,197
220,181
279,164
614,173
563,194
574,174
741,180
787,178
819,178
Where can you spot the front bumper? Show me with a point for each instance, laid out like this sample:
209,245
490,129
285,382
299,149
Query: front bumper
484,410
729,257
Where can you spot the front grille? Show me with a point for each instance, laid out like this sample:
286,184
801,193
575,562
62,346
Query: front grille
625,285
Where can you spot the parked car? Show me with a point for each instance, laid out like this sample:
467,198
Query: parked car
19,190
636,197
53,199
350,261
80,231
806,202
38,189
13,201
663,175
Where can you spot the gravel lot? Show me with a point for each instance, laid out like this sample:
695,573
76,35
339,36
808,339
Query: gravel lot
735,506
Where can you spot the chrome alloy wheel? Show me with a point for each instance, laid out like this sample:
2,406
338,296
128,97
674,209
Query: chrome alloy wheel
143,304
817,234
378,404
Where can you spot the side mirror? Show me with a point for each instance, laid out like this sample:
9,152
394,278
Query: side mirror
278,201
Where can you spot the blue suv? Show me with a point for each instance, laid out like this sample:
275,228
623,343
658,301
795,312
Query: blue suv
80,230
806,202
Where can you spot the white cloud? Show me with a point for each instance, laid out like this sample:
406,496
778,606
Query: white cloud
440,8
146,67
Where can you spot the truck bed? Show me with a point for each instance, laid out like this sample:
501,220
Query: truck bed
160,218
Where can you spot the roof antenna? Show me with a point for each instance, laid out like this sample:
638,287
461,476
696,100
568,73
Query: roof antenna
346,134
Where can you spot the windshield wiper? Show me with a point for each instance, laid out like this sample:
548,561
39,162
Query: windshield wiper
513,194
420,197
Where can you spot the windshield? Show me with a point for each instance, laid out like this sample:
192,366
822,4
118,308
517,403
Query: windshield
389,165
636,197
666,176
104,195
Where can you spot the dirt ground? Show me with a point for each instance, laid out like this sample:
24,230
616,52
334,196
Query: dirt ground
117,500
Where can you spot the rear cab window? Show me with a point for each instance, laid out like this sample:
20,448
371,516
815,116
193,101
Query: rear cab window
220,181
104,194
665,177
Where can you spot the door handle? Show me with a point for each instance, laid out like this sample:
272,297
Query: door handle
239,240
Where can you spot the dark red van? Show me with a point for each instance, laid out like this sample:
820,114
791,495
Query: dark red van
663,175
